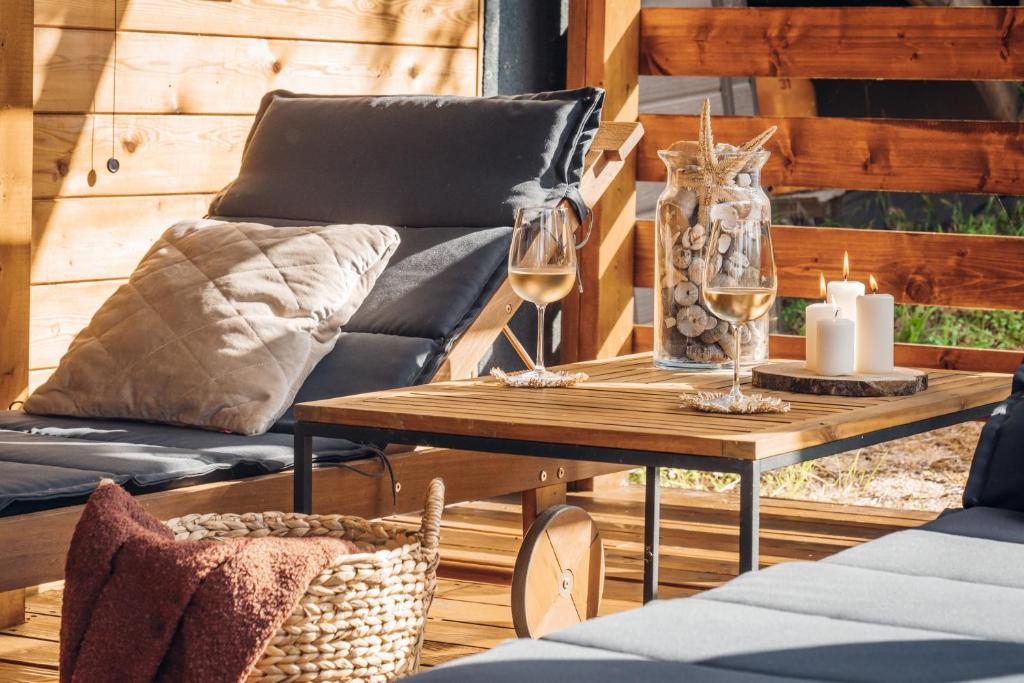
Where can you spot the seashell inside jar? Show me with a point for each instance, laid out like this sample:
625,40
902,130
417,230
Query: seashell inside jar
686,334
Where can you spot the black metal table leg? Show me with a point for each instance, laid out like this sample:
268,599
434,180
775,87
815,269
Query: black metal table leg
750,515
652,523
302,479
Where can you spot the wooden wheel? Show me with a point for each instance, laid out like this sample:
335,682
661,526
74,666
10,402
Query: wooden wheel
559,574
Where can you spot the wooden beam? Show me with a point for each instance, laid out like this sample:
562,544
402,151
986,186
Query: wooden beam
603,45
37,557
783,346
12,607
16,136
863,154
982,43
938,269
439,22
168,73
536,501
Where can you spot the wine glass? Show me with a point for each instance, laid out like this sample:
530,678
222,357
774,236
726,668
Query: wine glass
542,266
739,281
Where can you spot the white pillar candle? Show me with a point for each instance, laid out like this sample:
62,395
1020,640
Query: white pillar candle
834,354
874,332
812,314
843,293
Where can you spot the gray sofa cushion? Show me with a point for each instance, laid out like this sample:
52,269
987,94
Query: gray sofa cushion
934,604
538,660
53,461
414,161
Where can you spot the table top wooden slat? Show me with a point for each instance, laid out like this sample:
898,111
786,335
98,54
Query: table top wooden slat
627,403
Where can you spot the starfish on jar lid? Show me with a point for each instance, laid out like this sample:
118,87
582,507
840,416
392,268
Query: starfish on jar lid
713,177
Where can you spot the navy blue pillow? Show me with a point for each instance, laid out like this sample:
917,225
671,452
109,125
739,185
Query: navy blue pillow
997,472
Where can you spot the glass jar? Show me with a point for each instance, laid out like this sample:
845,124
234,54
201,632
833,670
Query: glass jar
686,335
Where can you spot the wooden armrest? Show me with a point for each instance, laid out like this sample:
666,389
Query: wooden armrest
612,145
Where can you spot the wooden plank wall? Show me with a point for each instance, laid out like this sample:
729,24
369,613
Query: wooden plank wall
942,156
189,76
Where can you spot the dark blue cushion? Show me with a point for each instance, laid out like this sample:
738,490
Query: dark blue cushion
997,471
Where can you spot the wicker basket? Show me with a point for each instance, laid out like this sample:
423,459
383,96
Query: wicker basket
362,619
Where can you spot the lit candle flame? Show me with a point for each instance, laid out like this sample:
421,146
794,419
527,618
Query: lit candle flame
846,265
823,292
873,284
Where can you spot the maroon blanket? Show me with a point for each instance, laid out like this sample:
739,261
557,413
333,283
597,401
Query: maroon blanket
140,606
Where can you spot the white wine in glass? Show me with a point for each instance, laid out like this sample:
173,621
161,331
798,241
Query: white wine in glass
542,285
745,287
739,304
542,265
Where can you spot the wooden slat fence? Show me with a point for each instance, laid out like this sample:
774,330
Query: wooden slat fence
941,156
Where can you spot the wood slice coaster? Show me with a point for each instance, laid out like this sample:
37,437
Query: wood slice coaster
794,376
559,573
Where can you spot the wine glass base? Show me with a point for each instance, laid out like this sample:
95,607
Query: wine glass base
538,379
747,404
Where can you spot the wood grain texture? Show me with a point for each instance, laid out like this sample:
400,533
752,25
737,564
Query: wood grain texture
31,559
920,355
59,312
99,238
978,43
401,22
170,73
793,376
906,355
603,43
863,154
962,271
12,608
158,154
15,195
627,403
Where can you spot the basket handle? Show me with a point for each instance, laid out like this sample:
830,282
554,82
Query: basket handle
430,527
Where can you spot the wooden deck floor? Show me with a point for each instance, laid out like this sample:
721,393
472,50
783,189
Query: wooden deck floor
480,539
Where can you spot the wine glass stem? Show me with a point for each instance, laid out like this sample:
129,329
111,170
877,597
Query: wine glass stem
539,364
735,393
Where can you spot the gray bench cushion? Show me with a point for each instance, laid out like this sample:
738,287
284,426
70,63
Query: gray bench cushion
918,605
538,660
53,461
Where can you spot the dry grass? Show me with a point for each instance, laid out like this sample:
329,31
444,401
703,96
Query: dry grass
924,472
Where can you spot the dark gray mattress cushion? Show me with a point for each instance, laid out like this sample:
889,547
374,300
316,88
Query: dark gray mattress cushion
997,471
414,161
362,362
53,461
994,524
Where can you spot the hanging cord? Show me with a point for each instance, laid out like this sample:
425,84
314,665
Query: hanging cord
112,163
385,467
589,220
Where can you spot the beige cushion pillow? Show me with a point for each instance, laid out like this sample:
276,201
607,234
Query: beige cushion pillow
219,325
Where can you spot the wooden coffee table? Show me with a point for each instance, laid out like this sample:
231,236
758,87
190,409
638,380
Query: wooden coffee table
629,413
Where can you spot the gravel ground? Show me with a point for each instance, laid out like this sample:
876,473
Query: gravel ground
924,472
